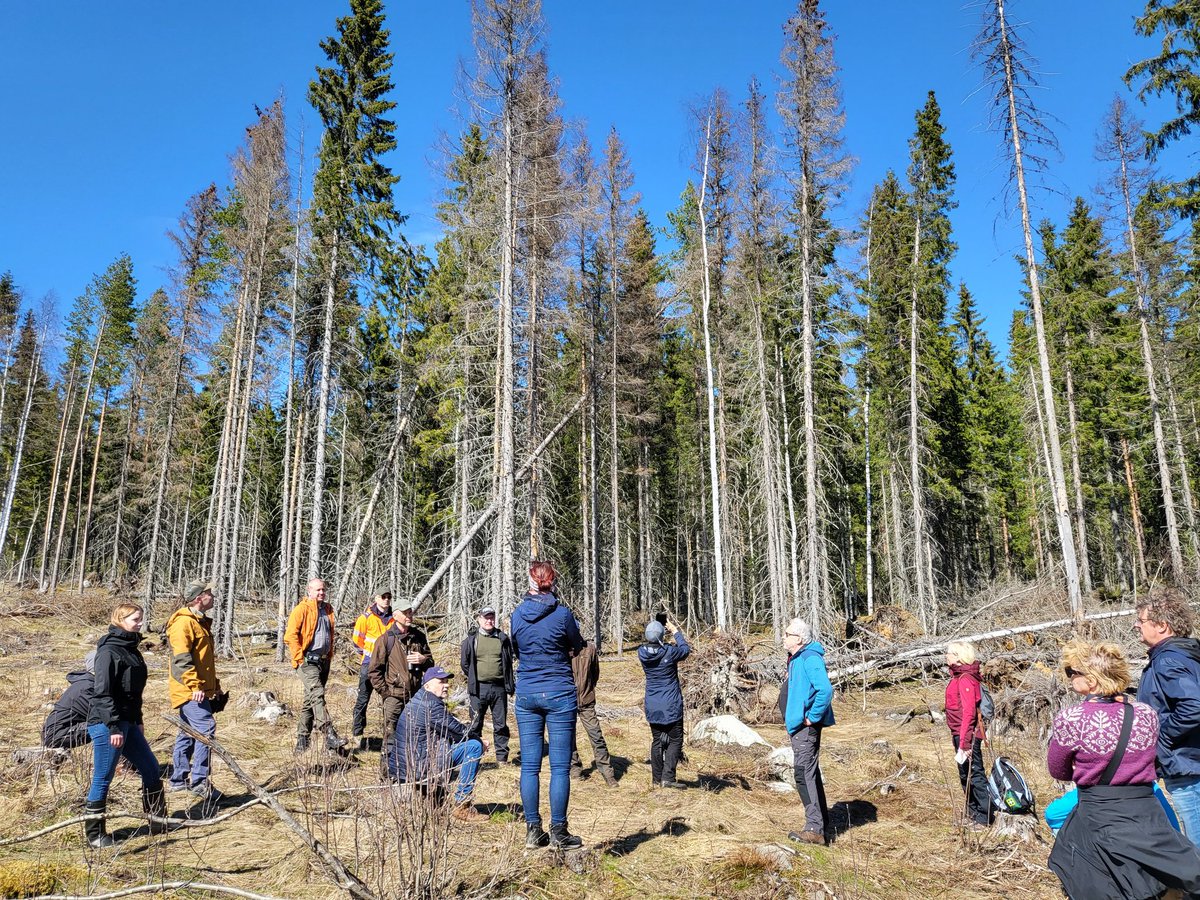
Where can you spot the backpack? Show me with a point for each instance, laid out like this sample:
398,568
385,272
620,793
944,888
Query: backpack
1007,788
987,706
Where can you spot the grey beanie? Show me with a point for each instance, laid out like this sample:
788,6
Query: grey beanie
655,632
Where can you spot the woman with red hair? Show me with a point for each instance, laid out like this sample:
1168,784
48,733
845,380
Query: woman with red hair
545,638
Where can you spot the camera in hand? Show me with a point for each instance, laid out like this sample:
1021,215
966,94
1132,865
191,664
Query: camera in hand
661,618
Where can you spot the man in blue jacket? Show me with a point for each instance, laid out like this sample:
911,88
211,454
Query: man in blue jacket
1171,685
430,744
806,701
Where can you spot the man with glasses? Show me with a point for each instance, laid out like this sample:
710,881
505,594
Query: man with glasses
1171,686
805,699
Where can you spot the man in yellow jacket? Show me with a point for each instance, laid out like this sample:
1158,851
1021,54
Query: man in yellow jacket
309,637
192,685
367,628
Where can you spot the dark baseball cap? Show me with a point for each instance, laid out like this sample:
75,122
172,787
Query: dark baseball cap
488,611
435,672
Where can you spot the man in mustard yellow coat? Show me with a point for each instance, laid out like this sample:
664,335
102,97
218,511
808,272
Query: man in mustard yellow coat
192,686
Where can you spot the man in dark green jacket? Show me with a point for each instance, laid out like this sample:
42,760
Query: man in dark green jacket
487,662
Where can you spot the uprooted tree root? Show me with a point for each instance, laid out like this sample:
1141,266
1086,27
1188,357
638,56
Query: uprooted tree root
722,677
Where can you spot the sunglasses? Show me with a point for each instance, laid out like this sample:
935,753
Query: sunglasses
1071,673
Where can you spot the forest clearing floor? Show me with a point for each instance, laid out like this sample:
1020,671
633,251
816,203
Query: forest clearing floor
894,805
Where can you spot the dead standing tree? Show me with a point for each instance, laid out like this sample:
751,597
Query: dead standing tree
1006,72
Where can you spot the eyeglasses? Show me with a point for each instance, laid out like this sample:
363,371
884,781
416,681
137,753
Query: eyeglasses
1071,673
1139,622
792,634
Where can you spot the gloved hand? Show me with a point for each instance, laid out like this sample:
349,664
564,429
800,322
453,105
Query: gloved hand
961,756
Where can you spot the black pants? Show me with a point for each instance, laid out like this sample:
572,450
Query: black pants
491,696
666,743
806,765
972,773
365,690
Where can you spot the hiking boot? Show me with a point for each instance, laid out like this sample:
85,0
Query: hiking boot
93,829
154,805
206,792
175,787
332,741
466,813
807,837
535,837
562,839
303,742
363,743
610,777
678,785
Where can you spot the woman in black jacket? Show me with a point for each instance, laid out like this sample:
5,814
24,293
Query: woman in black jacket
115,721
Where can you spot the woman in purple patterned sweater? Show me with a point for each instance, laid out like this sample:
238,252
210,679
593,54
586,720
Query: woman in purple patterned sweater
1117,843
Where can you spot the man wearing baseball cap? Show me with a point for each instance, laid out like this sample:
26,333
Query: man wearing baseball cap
430,744
401,656
192,685
487,662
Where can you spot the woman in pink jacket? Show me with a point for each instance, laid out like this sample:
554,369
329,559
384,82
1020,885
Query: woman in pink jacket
963,696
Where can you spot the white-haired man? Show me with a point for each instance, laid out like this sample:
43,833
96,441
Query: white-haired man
806,701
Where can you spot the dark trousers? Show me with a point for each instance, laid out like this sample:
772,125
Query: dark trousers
392,707
666,743
806,748
591,724
492,697
365,690
972,773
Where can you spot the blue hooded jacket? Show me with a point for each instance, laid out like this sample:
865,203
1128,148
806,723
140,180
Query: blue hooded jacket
544,638
1171,686
809,693
660,662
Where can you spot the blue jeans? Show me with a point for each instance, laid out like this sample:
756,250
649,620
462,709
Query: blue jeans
191,755
1185,797
465,757
537,714
105,757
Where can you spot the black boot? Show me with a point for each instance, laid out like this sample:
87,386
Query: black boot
154,805
562,839
97,835
535,837
302,741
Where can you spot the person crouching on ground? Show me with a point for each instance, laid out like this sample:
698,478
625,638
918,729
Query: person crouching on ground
67,724
373,622
191,685
664,699
487,662
963,697
430,745
1117,842
806,701
115,722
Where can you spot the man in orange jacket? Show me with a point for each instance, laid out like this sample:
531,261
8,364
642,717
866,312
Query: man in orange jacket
367,628
309,637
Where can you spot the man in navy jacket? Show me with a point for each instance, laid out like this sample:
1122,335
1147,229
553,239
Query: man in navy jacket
430,744
1171,685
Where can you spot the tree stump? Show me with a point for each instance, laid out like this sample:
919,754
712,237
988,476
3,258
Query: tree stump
1023,827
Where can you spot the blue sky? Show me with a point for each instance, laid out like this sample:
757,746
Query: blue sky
116,112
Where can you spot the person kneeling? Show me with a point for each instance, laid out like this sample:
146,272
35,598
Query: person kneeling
430,744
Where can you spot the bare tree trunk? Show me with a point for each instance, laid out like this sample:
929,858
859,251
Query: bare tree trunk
87,519
1135,505
1058,479
793,535
1185,482
924,600
321,424
55,476
18,451
714,480
1085,569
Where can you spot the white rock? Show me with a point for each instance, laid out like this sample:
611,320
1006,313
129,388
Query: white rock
726,730
778,855
270,714
781,787
781,763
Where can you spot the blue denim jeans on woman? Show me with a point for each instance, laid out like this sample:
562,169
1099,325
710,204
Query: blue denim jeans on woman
536,715
105,757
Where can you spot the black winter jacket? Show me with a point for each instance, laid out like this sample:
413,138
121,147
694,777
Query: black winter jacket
66,726
120,679
425,733
467,661
664,696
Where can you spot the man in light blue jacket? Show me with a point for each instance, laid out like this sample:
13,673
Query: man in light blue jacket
806,701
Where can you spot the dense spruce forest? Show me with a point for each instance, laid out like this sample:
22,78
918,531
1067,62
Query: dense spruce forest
770,404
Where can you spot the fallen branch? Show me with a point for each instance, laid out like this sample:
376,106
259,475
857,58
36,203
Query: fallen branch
935,649
484,517
333,866
159,888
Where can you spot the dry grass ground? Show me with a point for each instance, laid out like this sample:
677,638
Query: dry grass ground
895,806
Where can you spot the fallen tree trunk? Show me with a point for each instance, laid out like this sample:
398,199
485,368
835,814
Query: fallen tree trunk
333,866
490,510
934,649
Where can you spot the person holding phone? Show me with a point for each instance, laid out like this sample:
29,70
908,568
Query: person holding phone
664,697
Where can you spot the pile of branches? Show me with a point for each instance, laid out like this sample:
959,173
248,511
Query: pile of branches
726,676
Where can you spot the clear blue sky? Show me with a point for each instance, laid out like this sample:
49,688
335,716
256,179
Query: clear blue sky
114,113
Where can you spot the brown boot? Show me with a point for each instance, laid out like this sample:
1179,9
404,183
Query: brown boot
467,814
